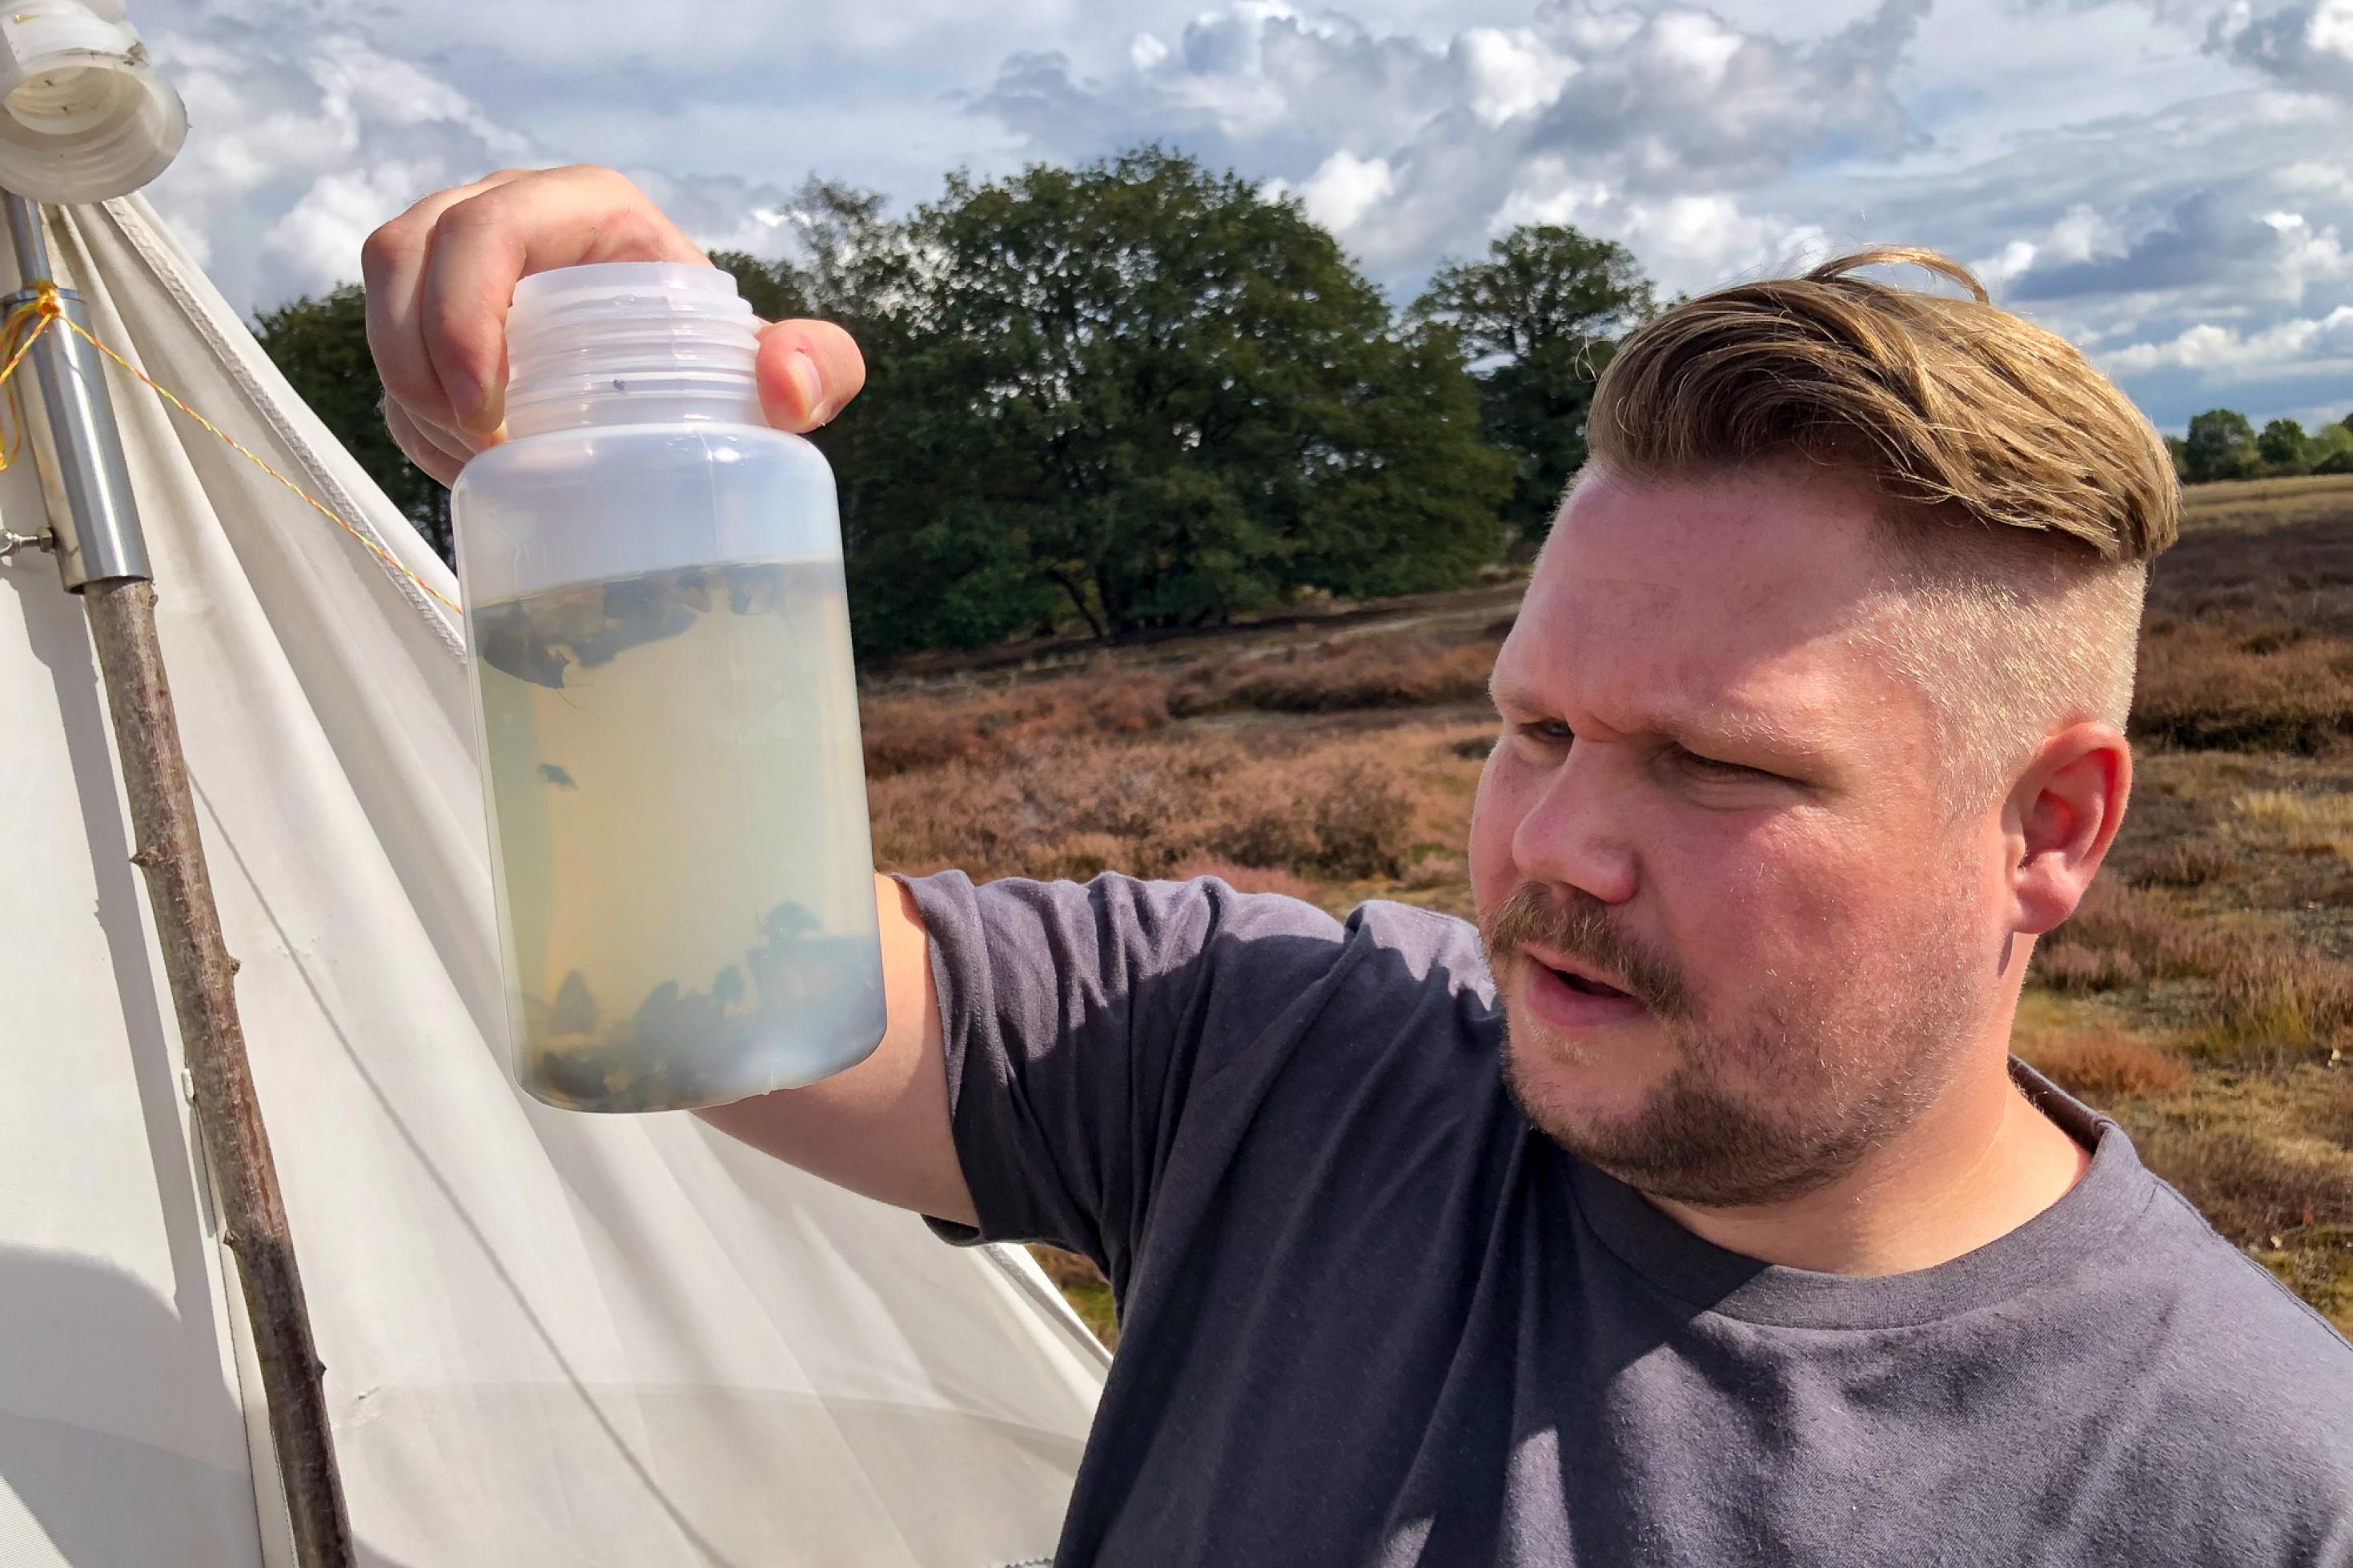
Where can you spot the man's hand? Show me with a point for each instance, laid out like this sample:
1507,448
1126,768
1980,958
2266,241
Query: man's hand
440,275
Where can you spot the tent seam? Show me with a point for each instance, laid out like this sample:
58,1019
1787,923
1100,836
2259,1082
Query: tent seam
260,401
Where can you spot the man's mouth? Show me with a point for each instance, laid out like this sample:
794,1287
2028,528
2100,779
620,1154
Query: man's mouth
1578,978
1579,984
1578,970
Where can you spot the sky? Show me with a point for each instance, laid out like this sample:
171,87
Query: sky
2163,182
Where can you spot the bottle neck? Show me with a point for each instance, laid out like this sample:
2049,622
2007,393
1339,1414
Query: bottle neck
629,343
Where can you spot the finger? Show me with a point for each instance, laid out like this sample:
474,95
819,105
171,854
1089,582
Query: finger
419,448
481,245
392,269
459,443
807,371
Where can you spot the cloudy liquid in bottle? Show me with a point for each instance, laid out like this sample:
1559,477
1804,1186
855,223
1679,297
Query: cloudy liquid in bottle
685,879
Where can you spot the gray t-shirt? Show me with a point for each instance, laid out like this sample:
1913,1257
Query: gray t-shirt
1369,1315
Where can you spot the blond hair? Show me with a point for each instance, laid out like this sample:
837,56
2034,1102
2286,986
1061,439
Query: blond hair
2026,494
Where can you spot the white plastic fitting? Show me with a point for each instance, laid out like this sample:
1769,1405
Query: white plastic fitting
86,117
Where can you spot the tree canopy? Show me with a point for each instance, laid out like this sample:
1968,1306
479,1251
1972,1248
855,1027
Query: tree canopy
1146,394
2223,444
320,346
1540,316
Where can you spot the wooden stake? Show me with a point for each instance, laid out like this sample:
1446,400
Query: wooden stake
163,826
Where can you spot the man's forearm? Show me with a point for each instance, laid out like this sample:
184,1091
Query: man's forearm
881,1127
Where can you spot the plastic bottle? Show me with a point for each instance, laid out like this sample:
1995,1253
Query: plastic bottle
665,706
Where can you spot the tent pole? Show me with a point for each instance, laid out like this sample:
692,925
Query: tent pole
103,557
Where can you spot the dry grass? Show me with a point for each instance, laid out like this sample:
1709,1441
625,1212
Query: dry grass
909,731
2264,995
2192,863
2249,636
2293,1211
2296,811
2247,1188
908,734
1245,879
2211,687
2123,937
1365,673
2335,1122
2104,1064
2278,999
2300,823
1344,808
2264,504
1066,777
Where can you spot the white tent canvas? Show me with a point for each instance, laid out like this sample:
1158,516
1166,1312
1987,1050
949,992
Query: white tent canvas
551,1339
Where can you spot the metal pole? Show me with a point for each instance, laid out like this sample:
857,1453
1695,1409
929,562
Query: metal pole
104,559
98,527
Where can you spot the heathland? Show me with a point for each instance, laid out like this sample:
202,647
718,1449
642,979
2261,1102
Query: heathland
2204,994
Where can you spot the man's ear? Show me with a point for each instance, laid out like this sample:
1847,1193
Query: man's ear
2061,818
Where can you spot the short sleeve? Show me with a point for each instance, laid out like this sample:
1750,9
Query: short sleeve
1079,1019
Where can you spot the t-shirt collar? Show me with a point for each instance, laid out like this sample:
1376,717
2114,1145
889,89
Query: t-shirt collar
2089,1216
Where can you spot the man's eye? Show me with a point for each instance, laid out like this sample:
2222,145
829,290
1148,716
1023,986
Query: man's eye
1711,767
1548,732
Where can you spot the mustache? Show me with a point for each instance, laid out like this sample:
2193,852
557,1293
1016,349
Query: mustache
1582,929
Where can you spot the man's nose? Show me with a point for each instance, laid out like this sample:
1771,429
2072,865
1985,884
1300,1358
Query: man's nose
1575,834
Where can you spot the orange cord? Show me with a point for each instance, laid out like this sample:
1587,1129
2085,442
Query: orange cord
44,307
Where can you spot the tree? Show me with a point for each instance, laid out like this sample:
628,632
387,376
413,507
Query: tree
2179,450
1146,394
2282,448
773,289
1541,315
839,233
1138,393
320,346
2220,446
2331,449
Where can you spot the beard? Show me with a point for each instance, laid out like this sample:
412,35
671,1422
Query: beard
1824,1069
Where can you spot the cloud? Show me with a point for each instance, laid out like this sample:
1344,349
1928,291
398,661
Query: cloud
1343,189
2141,176
2192,249
2300,345
306,139
1641,123
300,144
2307,43
305,116
1718,149
1511,74
720,212
1708,238
2134,228
2081,236
2313,415
2203,243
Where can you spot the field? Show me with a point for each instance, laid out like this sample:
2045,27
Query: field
2204,995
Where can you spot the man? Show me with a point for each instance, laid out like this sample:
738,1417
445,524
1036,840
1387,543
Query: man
1690,1210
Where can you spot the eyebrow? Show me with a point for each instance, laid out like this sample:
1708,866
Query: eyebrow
1720,723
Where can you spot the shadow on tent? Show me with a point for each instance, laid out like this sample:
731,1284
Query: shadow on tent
89,1354
59,637
232,859
81,1335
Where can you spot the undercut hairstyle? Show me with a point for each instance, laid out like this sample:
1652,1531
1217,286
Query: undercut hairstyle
2024,494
